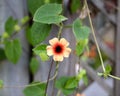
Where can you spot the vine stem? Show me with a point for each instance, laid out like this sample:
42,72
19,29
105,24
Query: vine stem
93,32
56,72
48,78
118,78
59,92
60,30
22,86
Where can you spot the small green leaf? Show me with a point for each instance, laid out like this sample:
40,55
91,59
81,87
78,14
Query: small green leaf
81,74
9,25
34,65
36,90
43,56
13,50
71,83
33,5
1,84
25,19
41,51
80,46
79,31
2,54
108,69
85,79
100,74
49,13
39,32
75,5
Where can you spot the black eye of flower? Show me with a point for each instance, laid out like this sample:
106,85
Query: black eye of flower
58,49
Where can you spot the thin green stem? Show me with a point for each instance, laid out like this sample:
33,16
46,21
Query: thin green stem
67,26
93,32
115,77
60,30
59,92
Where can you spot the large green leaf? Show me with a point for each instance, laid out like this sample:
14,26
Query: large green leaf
80,31
61,84
49,13
34,65
37,90
10,25
33,5
71,83
13,50
39,32
41,51
80,46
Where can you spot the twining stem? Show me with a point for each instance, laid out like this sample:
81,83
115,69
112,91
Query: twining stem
59,92
22,86
93,32
48,78
118,78
60,30
56,72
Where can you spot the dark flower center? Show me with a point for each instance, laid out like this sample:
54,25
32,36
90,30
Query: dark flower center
58,49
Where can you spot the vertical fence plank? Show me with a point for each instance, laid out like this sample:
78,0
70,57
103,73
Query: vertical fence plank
14,75
117,67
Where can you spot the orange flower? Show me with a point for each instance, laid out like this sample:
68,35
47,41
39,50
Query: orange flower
58,48
80,94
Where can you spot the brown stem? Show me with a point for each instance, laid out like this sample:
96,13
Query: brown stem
48,77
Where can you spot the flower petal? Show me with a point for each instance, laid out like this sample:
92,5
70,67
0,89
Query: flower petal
58,57
64,42
49,50
53,41
67,52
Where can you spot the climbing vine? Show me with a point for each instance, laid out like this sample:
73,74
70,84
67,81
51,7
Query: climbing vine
45,14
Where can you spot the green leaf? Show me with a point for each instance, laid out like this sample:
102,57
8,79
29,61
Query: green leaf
49,13
80,46
1,84
25,19
71,83
68,91
81,74
79,31
37,90
2,54
108,69
34,65
9,25
39,32
75,5
13,50
60,83
33,5
41,51
85,79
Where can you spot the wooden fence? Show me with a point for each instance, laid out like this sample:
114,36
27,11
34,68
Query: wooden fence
19,74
